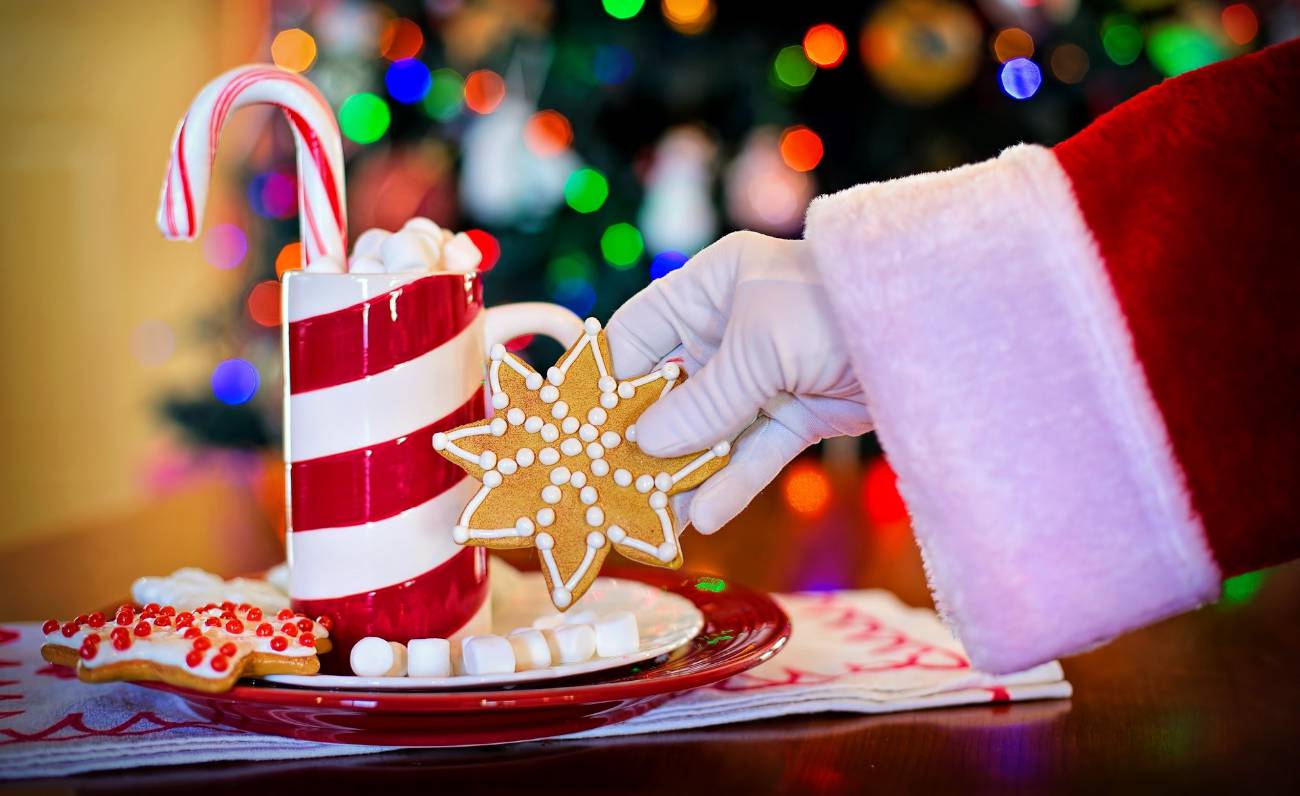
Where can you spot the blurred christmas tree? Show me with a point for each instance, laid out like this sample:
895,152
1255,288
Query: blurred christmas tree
592,146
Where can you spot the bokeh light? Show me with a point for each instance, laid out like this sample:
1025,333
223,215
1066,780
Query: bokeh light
1175,49
576,295
1121,39
880,498
1012,43
1069,63
623,9
1020,78
666,262
364,117
487,245
289,259
293,49
801,148
484,90
825,46
688,16
401,39
152,342
1240,24
586,190
622,245
612,64
225,246
234,381
548,133
805,488
407,81
264,303
446,95
568,268
273,194
792,68
1243,588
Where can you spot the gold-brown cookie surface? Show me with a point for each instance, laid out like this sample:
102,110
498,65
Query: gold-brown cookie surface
561,471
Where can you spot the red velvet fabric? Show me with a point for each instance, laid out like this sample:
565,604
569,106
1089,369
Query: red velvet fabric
1192,190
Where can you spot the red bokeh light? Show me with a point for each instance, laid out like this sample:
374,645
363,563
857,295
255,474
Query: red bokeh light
801,148
487,245
825,46
264,303
880,496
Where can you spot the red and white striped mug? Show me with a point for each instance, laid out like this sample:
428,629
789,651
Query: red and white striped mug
374,365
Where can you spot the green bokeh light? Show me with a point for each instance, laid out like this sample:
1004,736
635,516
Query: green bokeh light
1243,588
567,269
623,9
622,245
586,190
446,94
792,68
364,118
1121,39
714,585
1175,49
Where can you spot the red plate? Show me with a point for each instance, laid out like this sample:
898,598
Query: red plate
742,628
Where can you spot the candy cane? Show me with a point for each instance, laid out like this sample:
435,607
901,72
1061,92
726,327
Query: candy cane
321,196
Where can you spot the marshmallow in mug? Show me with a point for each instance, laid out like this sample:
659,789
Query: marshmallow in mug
420,245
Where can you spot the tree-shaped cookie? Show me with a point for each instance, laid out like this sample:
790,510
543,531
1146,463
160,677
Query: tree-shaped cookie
561,470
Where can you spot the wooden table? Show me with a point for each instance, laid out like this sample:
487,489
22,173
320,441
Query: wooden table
1206,701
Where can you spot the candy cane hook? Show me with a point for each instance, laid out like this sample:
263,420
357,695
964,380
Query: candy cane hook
322,206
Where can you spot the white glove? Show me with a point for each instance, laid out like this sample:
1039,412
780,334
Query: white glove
752,310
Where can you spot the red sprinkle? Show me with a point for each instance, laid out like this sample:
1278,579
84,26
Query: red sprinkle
69,629
285,613
152,607
234,626
307,640
167,610
193,632
212,621
229,649
202,643
125,607
227,614
227,606
88,650
254,614
265,629
163,621
50,626
220,663
125,617
304,625
121,642
119,632
93,638
142,629
184,619
96,619
244,606
325,622
194,658
81,619
279,643
289,629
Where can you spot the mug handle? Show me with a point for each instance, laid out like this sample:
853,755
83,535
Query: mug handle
509,321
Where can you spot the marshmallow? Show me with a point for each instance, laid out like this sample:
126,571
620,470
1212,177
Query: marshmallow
571,643
369,243
579,617
428,657
426,226
616,634
549,621
531,649
371,657
409,251
460,254
398,669
365,265
488,655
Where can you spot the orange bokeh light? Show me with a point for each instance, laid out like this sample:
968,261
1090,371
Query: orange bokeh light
801,148
880,496
293,49
806,489
401,38
264,303
1012,43
825,46
289,258
548,133
1239,23
484,90
688,16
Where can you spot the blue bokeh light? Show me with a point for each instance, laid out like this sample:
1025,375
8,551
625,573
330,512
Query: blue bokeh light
1020,78
234,381
613,64
407,80
273,195
577,295
666,262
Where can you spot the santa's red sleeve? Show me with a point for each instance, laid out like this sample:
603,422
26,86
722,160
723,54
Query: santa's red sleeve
1084,362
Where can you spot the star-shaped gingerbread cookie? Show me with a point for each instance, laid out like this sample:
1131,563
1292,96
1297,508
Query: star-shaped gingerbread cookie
561,470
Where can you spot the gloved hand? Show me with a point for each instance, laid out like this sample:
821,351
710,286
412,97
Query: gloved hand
752,312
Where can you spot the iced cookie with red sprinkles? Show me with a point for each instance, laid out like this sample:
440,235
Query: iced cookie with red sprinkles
206,648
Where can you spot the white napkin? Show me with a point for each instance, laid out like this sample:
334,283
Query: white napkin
851,651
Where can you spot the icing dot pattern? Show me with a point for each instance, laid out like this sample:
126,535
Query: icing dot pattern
564,458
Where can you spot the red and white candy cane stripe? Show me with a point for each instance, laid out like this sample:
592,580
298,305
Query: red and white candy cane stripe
376,365
321,197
